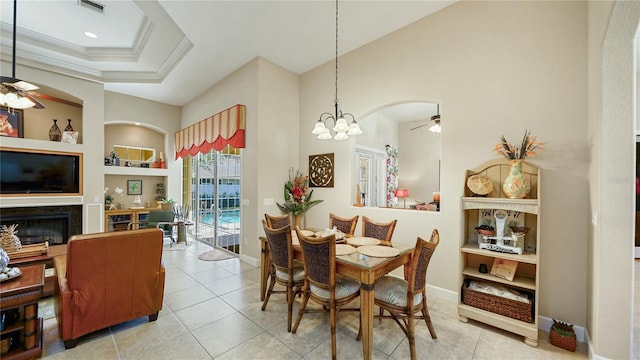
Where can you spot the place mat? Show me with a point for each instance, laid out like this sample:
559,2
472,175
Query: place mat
323,233
378,251
307,232
362,241
342,249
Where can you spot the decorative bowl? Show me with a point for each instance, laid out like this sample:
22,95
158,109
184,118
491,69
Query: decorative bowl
519,230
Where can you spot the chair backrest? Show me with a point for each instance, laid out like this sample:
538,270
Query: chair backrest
277,221
346,225
280,246
420,259
380,231
319,260
156,216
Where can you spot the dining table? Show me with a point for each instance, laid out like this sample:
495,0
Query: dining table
364,268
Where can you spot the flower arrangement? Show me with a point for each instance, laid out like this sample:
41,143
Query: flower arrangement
108,198
526,149
297,197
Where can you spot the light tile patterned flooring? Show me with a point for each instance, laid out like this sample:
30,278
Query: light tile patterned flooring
212,311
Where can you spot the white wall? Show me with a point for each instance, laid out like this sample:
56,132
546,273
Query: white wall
496,68
612,31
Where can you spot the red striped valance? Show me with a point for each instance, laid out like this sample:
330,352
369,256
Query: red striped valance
215,132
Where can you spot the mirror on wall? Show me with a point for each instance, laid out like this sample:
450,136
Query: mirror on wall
398,150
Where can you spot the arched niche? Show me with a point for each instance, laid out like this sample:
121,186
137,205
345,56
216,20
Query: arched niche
405,126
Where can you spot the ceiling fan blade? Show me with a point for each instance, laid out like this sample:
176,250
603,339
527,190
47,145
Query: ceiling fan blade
31,97
58,100
418,127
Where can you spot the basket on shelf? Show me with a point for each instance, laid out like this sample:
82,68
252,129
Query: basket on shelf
562,335
502,306
9,241
5,345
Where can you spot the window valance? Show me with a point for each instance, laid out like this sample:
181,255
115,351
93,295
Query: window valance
215,132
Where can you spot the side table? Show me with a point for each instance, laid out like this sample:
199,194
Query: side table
23,293
47,259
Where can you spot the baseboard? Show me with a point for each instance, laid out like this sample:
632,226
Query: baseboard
442,294
250,260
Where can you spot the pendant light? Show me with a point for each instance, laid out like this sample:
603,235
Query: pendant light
15,93
341,128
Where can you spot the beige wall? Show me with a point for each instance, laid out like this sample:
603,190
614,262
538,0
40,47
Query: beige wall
39,121
270,94
496,68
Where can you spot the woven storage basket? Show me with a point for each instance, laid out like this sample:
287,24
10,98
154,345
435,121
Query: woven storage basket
499,305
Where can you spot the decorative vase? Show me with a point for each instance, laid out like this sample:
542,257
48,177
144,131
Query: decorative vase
516,185
69,127
54,132
297,220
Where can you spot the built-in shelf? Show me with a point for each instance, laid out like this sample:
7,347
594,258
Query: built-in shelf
137,171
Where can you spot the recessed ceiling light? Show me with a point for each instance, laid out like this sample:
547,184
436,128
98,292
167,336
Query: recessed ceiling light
90,35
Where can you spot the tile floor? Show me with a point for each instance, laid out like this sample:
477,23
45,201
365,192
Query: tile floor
212,311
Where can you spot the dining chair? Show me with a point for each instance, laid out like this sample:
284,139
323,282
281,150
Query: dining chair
322,285
404,298
277,221
162,219
288,272
346,225
378,230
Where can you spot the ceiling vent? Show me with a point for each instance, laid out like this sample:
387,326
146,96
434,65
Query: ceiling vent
92,5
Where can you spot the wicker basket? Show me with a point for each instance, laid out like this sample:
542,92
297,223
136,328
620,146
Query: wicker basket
5,345
499,305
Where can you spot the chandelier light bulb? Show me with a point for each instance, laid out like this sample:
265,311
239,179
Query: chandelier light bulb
341,125
341,135
319,128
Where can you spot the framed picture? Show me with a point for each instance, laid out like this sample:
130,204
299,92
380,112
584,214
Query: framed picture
321,170
134,187
11,122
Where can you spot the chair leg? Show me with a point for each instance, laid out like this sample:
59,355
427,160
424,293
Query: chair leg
411,334
70,344
303,306
427,317
381,313
332,317
289,306
272,283
153,317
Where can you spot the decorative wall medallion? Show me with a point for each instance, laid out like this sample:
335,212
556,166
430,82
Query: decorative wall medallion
321,170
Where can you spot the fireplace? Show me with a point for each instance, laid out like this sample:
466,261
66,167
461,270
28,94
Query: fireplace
54,224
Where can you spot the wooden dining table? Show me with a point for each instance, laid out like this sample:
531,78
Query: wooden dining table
366,269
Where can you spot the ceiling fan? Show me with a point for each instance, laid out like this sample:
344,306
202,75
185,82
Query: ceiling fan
16,93
435,122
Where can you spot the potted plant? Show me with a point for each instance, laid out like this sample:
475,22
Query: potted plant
562,335
167,204
486,228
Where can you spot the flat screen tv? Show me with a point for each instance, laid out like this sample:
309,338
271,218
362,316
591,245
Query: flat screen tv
39,172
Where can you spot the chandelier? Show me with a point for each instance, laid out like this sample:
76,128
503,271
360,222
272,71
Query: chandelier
15,93
341,128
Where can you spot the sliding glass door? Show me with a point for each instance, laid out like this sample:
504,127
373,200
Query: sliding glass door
212,183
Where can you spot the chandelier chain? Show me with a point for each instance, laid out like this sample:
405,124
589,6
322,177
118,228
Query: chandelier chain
336,84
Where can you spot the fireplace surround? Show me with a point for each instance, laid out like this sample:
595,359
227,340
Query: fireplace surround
54,224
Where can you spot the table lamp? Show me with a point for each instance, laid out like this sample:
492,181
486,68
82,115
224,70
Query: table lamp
404,194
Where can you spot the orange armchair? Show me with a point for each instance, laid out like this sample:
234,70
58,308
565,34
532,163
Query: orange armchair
106,279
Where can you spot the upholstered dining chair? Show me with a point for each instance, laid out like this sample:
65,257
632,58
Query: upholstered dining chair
404,298
288,272
322,285
379,230
277,221
346,225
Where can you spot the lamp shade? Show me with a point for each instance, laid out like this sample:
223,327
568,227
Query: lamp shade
402,193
